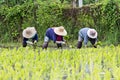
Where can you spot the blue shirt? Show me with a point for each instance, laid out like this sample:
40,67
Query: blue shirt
84,36
51,34
33,38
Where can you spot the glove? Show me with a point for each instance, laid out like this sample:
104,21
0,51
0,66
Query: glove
63,42
29,42
60,42
85,46
35,42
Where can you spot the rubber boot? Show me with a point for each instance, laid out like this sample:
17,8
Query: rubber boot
45,45
79,45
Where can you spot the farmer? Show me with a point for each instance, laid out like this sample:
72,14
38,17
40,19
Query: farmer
29,33
87,34
56,35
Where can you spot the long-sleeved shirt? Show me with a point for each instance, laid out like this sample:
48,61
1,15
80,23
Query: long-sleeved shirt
33,38
84,36
52,36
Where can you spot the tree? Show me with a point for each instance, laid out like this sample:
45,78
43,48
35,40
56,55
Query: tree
74,3
80,3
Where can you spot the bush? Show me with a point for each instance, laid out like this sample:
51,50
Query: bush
41,14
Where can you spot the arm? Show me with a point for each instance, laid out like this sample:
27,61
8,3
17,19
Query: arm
96,41
63,38
35,39
60,40
24,42
95,45
85,41
63,41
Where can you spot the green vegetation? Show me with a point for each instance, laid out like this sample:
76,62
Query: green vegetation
33,63
57,64
103,15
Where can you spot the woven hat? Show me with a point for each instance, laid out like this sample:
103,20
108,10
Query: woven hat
60,31
29,32
92,33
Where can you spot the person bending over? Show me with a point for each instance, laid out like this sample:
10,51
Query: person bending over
29,33
87,34
56,35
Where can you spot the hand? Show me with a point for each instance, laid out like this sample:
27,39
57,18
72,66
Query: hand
29,42
95,43
60,42
35,42
63,42
94,46
85,46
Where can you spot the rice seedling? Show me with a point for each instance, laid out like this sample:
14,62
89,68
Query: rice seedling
60,64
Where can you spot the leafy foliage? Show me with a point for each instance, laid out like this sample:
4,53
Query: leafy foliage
17,15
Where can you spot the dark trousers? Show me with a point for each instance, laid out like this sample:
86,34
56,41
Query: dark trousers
79,45
59,45
93,42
